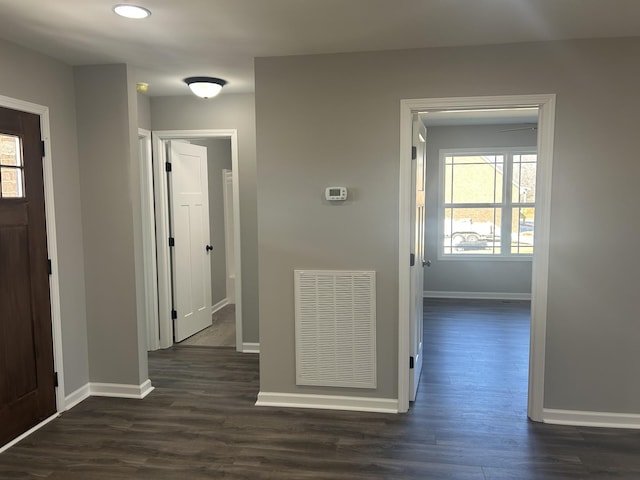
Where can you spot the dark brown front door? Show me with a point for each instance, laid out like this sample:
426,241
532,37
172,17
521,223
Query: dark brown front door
27,390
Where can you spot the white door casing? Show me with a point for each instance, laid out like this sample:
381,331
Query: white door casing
227,182
52,244
418,169
160,139
189,199
148,239
540,264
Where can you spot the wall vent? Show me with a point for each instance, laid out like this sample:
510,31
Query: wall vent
335,315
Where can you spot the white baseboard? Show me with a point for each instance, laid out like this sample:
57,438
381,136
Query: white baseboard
220,305
591,419
86,391
328,402
28,432
477,295
76,397
120,390
250,347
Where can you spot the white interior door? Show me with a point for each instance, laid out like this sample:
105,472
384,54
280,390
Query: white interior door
417,252
189,206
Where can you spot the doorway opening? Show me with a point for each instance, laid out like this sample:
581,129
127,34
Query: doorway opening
161,329
497,240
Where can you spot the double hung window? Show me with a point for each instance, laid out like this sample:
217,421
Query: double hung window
487,202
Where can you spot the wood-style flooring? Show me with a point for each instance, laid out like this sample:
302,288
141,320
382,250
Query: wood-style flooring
221,332
469,421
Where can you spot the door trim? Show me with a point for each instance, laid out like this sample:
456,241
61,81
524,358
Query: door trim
52,245
18,439
546,122
227,177
159,139
148,239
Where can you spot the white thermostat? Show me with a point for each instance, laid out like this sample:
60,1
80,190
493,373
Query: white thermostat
335,193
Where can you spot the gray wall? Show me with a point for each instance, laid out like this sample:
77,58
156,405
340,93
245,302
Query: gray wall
499,276
218,159
32,77
108,151
334,119
144,111
226,112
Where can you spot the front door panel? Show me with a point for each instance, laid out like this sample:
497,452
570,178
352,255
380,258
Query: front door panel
27,390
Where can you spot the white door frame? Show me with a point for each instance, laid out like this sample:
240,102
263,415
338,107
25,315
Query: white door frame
52,244
162,226
227,177
540,263
149,239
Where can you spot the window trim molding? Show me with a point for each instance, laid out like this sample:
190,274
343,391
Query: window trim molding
456,257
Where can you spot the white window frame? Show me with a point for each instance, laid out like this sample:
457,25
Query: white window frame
507,202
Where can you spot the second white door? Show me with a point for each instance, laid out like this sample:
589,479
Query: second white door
417,255
189,198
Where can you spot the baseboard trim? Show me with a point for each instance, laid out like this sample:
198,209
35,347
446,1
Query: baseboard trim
327,402
477,295
248,347
120,390
591,419
28,432
220,305
77,396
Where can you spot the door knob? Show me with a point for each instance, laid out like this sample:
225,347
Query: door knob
208,248
426,263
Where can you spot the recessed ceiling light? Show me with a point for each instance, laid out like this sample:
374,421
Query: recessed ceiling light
131,11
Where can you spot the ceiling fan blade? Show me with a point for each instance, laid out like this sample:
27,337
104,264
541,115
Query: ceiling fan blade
532,128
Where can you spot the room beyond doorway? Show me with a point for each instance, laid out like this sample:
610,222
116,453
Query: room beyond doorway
165,301
540,260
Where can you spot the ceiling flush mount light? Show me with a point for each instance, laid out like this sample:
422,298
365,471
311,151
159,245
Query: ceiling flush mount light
131,11
205,87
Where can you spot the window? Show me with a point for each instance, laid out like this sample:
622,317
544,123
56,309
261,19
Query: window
11,167
488,202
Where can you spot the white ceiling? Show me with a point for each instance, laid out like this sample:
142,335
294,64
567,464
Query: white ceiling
221,37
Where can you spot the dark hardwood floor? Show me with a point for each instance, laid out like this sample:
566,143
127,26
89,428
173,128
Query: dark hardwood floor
469,421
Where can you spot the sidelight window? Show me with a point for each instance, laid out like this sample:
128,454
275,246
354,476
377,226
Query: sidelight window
11,167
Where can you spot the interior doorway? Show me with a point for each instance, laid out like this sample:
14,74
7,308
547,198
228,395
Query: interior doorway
481,106
162,329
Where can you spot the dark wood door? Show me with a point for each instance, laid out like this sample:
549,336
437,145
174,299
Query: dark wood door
27,387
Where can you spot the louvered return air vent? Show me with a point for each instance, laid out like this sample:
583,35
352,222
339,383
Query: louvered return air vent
335,328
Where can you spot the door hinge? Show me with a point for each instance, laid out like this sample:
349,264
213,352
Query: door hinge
167,166
49,266
174,314
55,379
412,259
42,147
172,242
411,362
414,152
